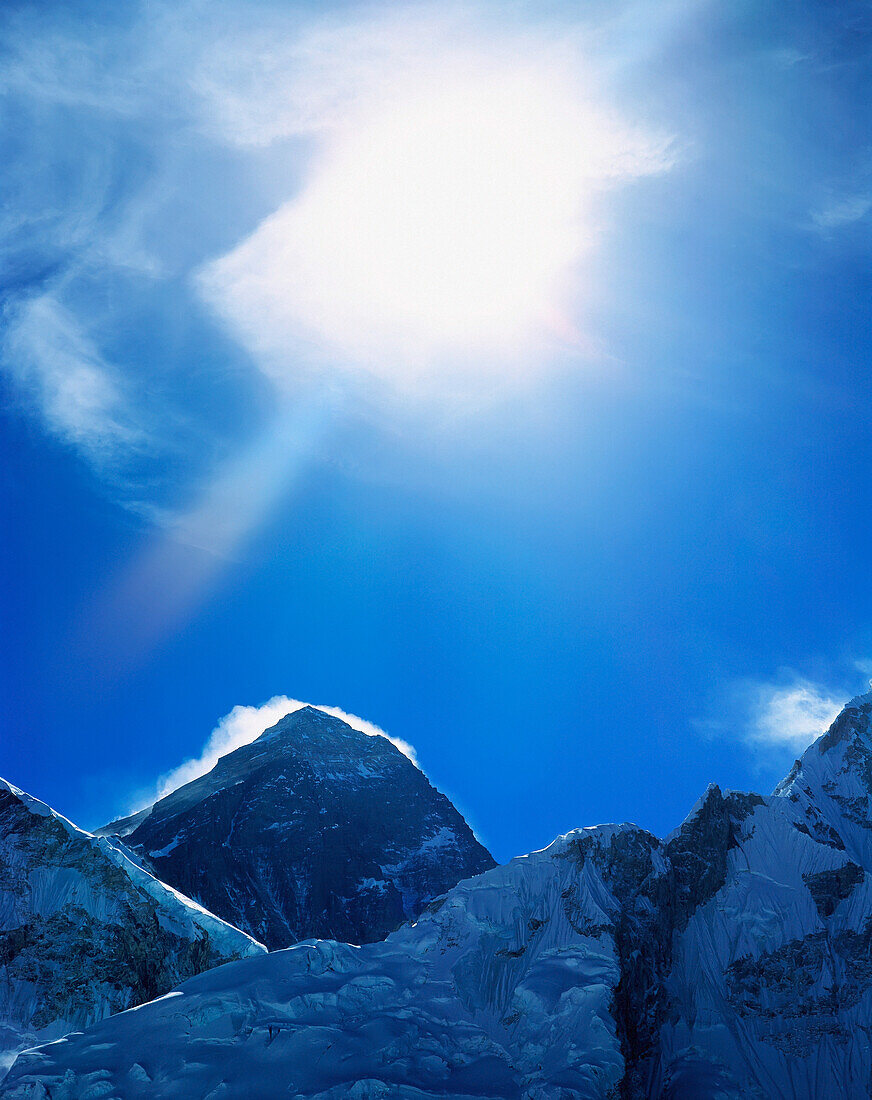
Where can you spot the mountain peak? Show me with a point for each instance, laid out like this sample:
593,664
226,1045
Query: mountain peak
831,783
315,828
862,698
322,732
310,719
305,715
854,719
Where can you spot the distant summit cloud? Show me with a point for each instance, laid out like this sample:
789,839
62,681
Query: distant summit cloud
244,724
792,715
774,717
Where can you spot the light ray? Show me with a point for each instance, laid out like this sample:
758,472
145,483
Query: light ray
191,550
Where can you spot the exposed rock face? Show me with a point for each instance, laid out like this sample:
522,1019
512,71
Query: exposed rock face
732,960
314,829
85,931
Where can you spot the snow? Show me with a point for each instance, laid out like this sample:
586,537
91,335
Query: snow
442,838
380,885
62,892
167,848
449,1006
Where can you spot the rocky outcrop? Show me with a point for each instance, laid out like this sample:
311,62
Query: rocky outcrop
314,829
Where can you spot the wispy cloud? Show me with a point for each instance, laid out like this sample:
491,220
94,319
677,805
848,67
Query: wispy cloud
774,719
864,665
80,397
843,211
244,724
791,715
69,231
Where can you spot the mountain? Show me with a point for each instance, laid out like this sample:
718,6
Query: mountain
731,960
314,829
85,930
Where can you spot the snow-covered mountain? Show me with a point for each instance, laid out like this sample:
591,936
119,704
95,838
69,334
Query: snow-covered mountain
314,829
731,960
85,930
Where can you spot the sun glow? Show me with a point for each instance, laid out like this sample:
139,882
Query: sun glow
442,223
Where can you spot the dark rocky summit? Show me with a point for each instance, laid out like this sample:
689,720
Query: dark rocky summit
314,829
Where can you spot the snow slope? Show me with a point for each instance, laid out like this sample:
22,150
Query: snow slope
731,960
492,991
85,930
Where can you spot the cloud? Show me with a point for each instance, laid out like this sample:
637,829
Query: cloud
85,113
244,724
153,140
791,715
772,717
140,156
781,716
843,211
786,57
451,198
846,200
79,396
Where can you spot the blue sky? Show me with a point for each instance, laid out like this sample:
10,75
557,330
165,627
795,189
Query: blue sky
585,565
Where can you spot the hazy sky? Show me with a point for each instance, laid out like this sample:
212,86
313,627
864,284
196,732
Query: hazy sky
498,373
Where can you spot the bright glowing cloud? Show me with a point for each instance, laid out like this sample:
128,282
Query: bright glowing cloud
441,166
792,715
446,212
244,724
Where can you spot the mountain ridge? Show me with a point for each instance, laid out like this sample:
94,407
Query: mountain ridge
85,929
732,959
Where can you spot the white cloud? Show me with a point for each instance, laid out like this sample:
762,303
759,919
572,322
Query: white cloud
843,211
864,665
791,715
778,717
79,396
448,206
244,724
125,133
